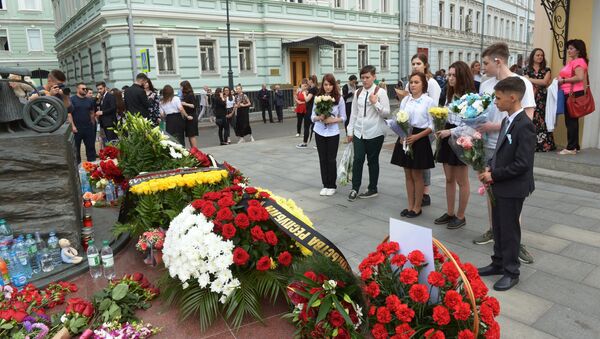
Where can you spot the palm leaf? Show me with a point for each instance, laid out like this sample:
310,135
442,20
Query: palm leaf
242,302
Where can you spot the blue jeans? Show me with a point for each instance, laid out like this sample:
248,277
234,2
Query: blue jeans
88,136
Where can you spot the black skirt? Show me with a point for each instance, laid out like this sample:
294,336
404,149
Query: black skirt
445,154
242,123
422,155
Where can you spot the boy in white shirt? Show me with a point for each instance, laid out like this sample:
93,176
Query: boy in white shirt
495,65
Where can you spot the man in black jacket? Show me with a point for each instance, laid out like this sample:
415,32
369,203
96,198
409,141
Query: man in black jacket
348,94
510,174
136,100
107,113
265,103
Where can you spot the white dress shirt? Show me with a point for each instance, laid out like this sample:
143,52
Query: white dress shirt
367,120
329,130
418,110
433,90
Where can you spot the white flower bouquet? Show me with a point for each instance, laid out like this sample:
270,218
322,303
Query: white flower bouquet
324,105
401,126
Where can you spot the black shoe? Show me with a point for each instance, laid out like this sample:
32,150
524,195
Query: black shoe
444,219
368,194
505,283
413,214
404,212
272,121
490,270
352,196
426,200
456,223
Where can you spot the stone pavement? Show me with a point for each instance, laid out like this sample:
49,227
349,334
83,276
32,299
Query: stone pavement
558,296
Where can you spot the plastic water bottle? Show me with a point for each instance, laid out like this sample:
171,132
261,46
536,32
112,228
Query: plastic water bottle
6,234
33,253
41,246
94,260
4,271
22,256
120,192
46,260
17,275
54,249
109,190
108,261
5,253
84,181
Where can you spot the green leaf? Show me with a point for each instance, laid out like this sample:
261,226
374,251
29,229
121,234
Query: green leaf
323,311
342,311
316,303
335,333
7,326
120,291
104,305
347,298
114,311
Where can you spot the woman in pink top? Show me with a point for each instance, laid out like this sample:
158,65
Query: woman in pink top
571,79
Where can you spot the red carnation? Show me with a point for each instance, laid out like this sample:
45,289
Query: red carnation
271,238
404,331
486,314
409,276
436,279
213,196
366,274
433,334
311,275
240,256
419,293
263,264
285,258
405,313
416,258
450,271
388,248
257,234
228,231
466,334
462,311
372,310
336,319
224,214
372,289
383,315
376,258
398,260
393,302
479,288
250,190
379,331
452,299
470,271
441,315
242,221
493,331
494,304
209,210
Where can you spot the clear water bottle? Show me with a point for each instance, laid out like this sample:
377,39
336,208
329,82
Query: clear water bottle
6,234
5,253
94,260
109,191
41,246
84,181
120,192
108,261
54,249
46,260
22,256
17,275
32,250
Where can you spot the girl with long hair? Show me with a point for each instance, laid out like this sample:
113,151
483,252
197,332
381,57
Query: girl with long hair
420,158
220,109
242,108
476,71
301,105
229,105
460,82
118,94
189,103
327,133
173,112
312,90
153,102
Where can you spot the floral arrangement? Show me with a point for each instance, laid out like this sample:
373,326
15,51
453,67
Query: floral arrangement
176,150
401,306
109,152
201,157
106,169
77,316
472,107
95,198
183,180
153,238
401,126
327,300
440,117
324,105
117,330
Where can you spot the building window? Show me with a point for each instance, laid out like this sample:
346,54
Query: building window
520,32
441,15
165,57
495,26
245,54
489,24
91,61
105,59
461,18
477,21
34,40
30,5
363,5
451,16
296,1
2,5
385,6
384,57
451,57
477,57
338,4
468,58
363,55
74,62
469,22
501,31
421,11
207,56
440,59
4,40
80,67
460,56
513,31
338,57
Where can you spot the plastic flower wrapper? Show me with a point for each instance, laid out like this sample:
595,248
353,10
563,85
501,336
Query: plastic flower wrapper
344,170
472,108
439,116
400,124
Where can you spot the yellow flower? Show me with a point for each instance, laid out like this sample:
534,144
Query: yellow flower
186,180
273,263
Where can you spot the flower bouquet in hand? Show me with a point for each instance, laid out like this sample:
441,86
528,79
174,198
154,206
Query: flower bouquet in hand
472,108
324,106
439,116
401,126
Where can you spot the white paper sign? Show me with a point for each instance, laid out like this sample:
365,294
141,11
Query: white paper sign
411,237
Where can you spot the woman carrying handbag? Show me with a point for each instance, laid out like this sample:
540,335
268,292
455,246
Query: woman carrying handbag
573,81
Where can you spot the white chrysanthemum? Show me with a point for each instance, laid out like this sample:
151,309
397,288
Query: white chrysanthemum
193,251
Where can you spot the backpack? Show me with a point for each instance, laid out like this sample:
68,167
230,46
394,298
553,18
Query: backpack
377,88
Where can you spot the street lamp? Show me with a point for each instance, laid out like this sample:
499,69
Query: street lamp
229,72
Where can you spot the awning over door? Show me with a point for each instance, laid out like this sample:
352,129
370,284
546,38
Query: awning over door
316,40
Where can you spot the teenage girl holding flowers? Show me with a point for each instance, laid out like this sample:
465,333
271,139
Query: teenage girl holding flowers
417,105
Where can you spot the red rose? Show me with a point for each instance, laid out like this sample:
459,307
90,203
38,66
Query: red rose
479,288
88,311
409,276
250,190
398,260
295,297
452,299
225,202
379,331
416,258
265,195
263,264
224,214
433,334
285,258
257,213
366,274
404,330
336,319
242,221
197,204
441,315
436,279
419,293
311,275
393,302
254,203
342,334
208,210
450,271
383,315
462,311
405,313
271,238
372,289
228,231
493,331
240,256
466,334
137,276
257,234
315,290
6,314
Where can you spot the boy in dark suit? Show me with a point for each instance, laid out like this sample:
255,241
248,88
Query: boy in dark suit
510,174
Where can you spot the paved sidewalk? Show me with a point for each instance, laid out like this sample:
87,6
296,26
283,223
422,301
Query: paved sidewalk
558,296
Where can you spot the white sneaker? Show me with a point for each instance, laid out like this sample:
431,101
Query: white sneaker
330,191
241,141
302,145
314,147
324,192
297,135
251,138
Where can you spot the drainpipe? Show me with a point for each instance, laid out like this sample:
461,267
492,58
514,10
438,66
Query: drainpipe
527,39
131,42
483,16
400,37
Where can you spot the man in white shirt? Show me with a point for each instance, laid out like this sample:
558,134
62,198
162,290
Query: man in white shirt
495,65
366,130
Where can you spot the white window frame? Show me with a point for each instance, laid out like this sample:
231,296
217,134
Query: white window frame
80,67
38,8
3,3
29,48
105,64
385,48
251,57
215,47
384,6
362,5
451,57
469,58
91,63
7,40
422,11
478,22
366,57
342,49
440,59
157,46
338,4
461,18
452,12
74,62
442,10
460,56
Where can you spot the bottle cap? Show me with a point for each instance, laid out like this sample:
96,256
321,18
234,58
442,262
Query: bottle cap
2,221
105,243
91,242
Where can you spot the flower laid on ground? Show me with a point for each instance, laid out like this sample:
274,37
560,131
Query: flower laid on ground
181,180
117,330
401,306
326,299
440,117
472,108
153,238
176,150
201,157
77,316
109,152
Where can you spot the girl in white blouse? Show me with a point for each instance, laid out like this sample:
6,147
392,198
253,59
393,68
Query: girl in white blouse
420,158
172,109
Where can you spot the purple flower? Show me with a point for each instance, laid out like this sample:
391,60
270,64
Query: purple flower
28,325
43,330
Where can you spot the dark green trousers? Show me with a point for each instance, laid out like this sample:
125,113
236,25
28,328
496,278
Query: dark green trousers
369,149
